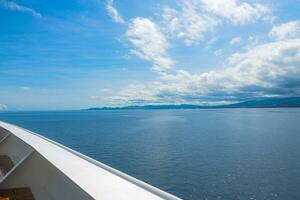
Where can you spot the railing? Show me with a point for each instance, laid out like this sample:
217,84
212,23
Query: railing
141,184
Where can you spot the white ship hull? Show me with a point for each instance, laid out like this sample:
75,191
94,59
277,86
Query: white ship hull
54,172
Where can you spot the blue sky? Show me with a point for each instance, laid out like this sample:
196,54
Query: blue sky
85,53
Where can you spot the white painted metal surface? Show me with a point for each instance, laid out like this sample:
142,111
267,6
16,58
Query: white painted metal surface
97,180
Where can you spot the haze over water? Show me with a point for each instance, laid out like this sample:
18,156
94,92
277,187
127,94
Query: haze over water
194,154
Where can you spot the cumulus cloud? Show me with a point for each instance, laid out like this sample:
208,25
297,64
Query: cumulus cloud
271,69
195,18
149,43
114,13
235,41
10,5
286,30
188,23
235,11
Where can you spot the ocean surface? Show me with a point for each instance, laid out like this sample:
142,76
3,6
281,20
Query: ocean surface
194,154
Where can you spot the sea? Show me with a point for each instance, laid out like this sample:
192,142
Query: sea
208,154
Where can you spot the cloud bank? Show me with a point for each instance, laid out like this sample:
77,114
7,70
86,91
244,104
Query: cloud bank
262,70
265,70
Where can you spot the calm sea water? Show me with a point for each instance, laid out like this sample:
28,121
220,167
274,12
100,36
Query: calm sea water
194,154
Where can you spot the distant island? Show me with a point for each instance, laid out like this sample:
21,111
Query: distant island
257,103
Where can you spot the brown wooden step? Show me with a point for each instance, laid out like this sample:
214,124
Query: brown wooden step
16,194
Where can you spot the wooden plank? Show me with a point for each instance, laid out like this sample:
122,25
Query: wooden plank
16,194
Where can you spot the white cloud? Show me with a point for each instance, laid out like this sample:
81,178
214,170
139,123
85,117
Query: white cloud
113,12
195,18
16,7
26,88
286,30
271,69
235,11
149,43
188,23
218,52
104,90
3,106
211,42
94,97
138,92
235,41
253,41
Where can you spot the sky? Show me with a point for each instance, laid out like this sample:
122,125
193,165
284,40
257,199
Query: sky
76,54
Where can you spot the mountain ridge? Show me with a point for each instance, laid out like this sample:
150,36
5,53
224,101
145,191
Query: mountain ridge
287,102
